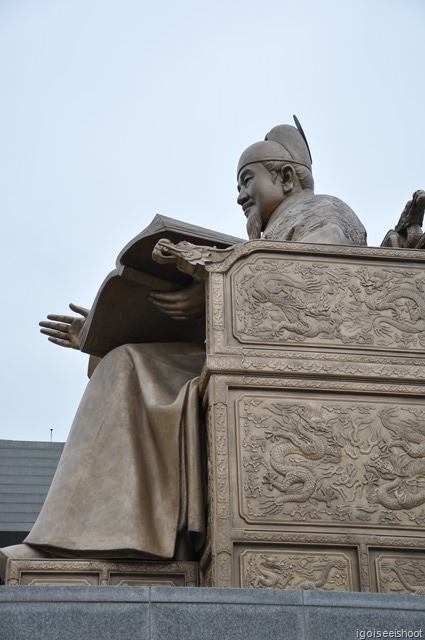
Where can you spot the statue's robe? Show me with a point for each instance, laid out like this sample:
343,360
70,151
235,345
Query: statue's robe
130,479
323,219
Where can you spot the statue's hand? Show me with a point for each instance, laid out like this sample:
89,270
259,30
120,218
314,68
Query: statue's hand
65,330
186,304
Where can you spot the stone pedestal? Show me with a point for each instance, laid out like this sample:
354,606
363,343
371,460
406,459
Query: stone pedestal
314,394
153,613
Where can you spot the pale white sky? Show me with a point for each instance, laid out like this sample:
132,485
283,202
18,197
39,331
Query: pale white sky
112,111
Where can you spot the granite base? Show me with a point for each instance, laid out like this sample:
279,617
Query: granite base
157,613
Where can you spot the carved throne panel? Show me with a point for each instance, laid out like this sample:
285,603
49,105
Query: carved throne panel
313,391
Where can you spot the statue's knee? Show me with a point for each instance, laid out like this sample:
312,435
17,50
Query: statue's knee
118,356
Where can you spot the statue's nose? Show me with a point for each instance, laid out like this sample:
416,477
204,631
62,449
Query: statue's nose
241,197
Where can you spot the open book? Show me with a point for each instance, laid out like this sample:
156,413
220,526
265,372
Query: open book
122,312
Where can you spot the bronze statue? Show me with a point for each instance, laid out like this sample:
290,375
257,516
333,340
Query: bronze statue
130,480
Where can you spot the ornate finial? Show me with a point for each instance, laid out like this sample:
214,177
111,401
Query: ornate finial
408,232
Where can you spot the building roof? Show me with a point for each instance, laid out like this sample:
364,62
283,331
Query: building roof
26,472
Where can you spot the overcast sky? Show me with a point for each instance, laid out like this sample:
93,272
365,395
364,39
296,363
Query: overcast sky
111,112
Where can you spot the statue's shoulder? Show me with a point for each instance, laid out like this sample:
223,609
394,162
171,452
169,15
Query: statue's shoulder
322,198
334,210
313,213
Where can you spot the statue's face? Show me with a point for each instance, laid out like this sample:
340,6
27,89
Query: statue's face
260,192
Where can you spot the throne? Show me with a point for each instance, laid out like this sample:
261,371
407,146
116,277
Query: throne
313,392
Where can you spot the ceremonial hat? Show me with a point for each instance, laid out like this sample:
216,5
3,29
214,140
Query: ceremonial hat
283,143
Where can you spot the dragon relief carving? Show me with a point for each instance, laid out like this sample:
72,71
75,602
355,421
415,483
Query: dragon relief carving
402,575
297,482
337,462
277,301
405,477
296,571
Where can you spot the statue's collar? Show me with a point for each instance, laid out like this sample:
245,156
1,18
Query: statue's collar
288,203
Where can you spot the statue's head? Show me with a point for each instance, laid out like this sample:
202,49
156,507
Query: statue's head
271,171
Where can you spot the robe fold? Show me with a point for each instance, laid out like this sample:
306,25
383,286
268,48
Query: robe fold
130,479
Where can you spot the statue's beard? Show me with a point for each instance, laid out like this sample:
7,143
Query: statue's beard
254,225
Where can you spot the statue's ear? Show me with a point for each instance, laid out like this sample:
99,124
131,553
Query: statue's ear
287,173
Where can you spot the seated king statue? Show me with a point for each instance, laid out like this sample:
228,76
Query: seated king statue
130,482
